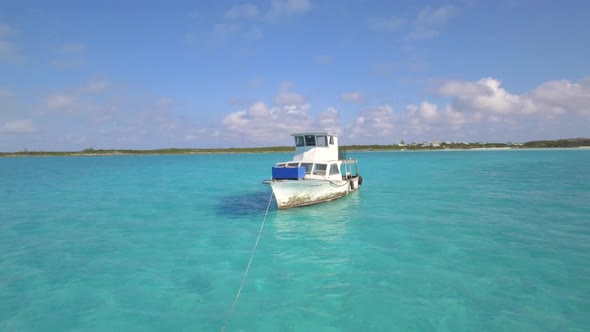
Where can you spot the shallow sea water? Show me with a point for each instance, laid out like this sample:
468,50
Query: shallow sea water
434,241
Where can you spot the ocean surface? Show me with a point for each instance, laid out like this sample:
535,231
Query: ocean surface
434,241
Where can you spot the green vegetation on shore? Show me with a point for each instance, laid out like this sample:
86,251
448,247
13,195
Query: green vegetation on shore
101,152
562,143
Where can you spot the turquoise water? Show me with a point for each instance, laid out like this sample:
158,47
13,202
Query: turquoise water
434,241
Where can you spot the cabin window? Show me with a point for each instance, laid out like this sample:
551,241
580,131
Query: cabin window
292,164
280,165
308,167
321,141
299,141
309,140
331,140
334,169
319,169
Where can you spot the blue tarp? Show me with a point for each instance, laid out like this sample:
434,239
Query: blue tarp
288,173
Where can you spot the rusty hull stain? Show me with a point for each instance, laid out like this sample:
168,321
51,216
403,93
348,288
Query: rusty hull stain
303,200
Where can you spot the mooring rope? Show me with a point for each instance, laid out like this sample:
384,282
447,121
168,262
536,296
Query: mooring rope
249,263
334,184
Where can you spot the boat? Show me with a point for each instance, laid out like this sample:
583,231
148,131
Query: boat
317,173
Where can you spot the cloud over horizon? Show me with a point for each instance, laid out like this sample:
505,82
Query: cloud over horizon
21,126
477,111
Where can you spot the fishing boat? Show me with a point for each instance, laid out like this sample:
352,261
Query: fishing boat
318,172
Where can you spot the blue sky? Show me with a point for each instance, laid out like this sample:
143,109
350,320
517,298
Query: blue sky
157,74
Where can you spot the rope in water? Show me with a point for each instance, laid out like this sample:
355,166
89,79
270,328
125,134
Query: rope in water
249,263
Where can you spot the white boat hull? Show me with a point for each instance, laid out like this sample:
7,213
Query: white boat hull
293,193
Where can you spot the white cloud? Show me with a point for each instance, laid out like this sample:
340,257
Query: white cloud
60,102
77,99
269,126
281,8
155,125
485,95
470,110
250,18
479,110
329,120
390,23
426,111
483,110
242,11
454,118
354,96
24,126
374,122
262,124
563,96
436,16
292,6
429,121
96,114
381,125
430,21
463,89
489,97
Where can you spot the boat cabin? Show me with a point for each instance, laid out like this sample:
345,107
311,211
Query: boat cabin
316,156
315,146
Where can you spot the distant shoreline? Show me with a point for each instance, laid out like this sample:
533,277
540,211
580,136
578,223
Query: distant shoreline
474,149
138,153
283,149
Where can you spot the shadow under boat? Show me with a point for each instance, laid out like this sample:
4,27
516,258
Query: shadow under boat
245,204
256,203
